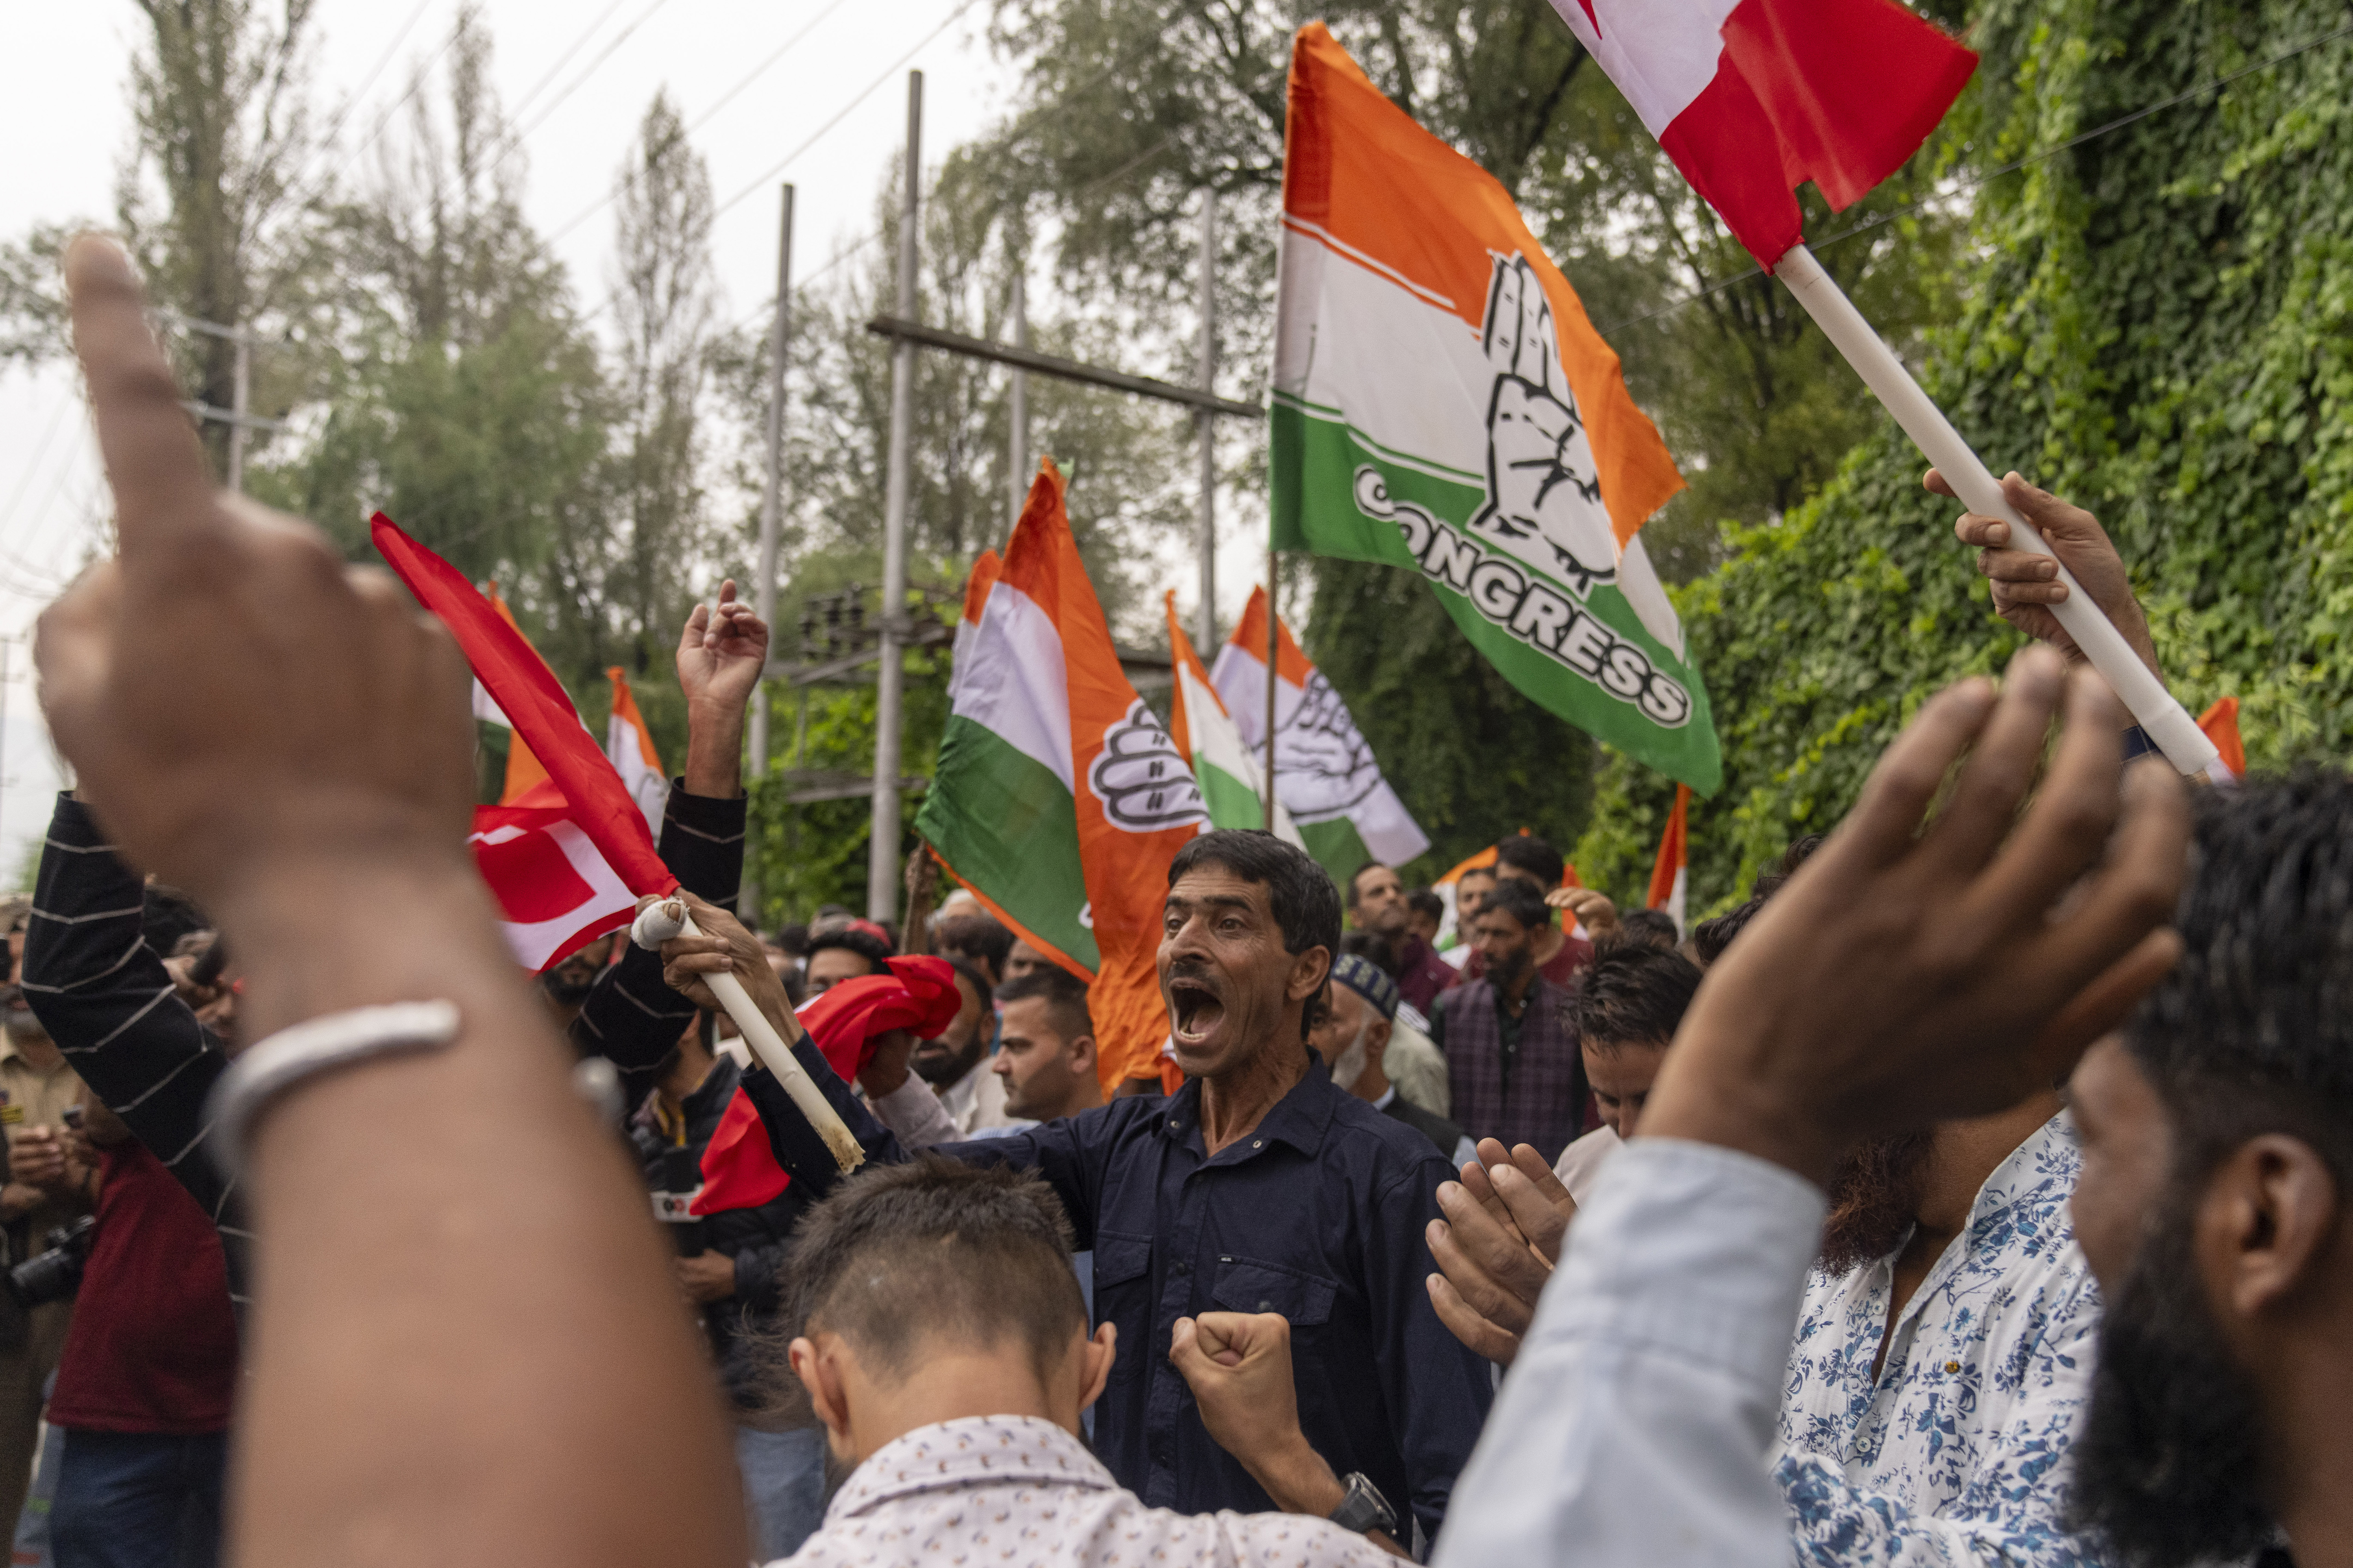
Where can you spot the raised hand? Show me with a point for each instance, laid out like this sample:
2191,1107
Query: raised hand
181,678
1542,484
1496,1246
721,652
1589,907
2025,583
1913,972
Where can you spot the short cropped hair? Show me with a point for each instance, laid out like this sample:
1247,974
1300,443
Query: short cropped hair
1517,899
1357,876
1634,994
1533,856
984,937
935,1250
1065,996
1425,901
2252,1031
867,944
1305,904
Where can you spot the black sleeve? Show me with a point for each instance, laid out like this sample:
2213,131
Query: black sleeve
102,995
630,1017
796,1143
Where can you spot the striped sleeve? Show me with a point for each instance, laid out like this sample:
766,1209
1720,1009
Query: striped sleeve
102,995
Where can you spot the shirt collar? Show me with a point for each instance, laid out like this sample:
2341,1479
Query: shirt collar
975,1451
1298,1119
1388,1095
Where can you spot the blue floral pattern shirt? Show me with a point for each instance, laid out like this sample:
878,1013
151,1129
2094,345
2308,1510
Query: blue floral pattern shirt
1957,1451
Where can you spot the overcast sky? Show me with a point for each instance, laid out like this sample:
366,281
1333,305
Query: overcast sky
64,114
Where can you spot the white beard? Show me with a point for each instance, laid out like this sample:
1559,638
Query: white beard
1351,1065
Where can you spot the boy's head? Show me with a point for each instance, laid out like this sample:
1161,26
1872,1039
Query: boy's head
1626,1016
932,1290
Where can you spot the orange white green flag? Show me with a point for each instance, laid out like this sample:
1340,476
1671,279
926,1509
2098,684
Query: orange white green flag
1204,730
1442,404
1059,800
629,747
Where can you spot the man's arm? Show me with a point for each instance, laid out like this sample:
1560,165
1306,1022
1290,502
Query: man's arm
287,739
2013,1508
104,998
630,1017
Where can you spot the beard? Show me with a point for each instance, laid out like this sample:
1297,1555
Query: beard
941,1068
1874,1198
2169,1467
1350,1067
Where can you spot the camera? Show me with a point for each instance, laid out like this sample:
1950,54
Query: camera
57,1273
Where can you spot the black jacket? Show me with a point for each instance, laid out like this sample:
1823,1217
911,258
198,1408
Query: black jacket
754,1238
1429,1123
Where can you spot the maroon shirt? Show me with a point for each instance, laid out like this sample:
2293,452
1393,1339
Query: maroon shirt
1422,973
154,1343
1575,954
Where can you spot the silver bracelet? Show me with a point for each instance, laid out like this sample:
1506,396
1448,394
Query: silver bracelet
312,1047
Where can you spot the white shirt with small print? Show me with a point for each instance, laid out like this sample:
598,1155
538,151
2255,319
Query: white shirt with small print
1016,1488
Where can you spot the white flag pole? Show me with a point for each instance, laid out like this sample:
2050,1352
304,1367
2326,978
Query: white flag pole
2165,720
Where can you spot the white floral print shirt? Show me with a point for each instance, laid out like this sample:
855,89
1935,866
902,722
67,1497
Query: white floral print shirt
1957,1452
1016,1489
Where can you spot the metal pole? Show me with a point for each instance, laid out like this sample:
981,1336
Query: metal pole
883,849
764,592
239,385
1021,467
1206,427
1273,643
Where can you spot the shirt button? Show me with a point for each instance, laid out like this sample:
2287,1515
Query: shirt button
1266,1306
1181,1266
1257,1142
1952,1367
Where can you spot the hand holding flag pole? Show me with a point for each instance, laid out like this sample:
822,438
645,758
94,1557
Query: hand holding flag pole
2164,720
666,919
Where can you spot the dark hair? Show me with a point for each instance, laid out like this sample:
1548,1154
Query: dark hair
972,976
1424,901
864,944
898,1254
1064,993
1305,904
984,937
1357,876
1486,871
1634,994
1533,856
1517,899
167,914
1651,927
1711,937
1373,945
794,939
2252,1031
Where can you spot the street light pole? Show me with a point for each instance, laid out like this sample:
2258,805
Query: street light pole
883,850
764,592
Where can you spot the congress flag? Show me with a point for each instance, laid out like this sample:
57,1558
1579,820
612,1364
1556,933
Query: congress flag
1441,404
1325,776
1669,875
1044,731
629,747
1751,98
1232,787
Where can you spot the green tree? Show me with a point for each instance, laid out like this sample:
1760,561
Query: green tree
2156,324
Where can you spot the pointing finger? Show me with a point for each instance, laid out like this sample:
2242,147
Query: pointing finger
162,489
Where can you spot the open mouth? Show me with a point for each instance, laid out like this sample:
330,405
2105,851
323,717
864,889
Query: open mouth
1195,1010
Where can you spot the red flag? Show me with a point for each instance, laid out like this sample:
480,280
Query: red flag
593,795
555,891
1751,98
919,994
2221,723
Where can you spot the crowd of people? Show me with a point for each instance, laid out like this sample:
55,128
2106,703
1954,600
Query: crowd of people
1973,1192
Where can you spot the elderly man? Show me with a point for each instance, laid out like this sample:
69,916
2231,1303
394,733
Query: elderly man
1259,1185
1354,1039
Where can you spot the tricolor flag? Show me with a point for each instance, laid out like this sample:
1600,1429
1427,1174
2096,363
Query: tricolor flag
569,862
1669,873
1231,786
2221,723
629,747
1442,404
1325,776
1060,799
1750,98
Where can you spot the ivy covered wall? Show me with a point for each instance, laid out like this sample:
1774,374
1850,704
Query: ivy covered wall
2157,324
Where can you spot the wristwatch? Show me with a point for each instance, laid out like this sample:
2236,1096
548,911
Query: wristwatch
1364,1508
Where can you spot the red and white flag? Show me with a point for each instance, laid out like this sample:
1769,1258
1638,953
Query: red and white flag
1751,98
569,861
1669,874
629,747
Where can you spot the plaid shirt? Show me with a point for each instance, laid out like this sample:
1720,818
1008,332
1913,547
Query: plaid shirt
1521,1082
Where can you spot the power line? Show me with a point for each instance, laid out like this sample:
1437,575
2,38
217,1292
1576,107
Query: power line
1981,181
619,39
564,58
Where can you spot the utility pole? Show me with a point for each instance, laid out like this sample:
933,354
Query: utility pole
883,850
764,592
240,390
1206,424
1022,469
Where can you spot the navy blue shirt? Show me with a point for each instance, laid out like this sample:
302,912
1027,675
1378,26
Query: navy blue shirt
1318,1215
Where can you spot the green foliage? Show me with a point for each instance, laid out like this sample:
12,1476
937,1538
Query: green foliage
2159,325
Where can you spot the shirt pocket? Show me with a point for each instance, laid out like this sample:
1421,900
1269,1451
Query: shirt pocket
1246,1285
1124,1296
